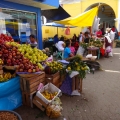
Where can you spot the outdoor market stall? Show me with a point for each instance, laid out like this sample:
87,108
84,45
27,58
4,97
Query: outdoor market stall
26,71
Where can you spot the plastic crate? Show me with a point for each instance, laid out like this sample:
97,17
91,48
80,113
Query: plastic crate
50,87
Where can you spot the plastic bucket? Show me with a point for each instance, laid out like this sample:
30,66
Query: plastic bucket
18,116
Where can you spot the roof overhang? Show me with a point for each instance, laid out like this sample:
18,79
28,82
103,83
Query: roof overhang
47,4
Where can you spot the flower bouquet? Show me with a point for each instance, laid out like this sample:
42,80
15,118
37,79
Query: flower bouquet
77,65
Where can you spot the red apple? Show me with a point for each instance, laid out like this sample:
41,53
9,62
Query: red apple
37,69
10,56
18,53
14,54
29,70
21,70
5,51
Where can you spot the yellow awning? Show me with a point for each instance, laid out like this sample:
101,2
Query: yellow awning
84,19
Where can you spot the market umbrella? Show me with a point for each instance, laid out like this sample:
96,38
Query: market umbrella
57,25
82,20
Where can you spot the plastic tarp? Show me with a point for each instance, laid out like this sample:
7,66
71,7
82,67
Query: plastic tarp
95,26
10,94
84,19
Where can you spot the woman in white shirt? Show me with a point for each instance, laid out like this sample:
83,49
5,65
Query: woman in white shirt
60,45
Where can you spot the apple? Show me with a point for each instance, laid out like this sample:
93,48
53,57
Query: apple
10,56
34,70
37,69
21,70
14,54
14,48
9,64
21,65
18,53
29,70
5,51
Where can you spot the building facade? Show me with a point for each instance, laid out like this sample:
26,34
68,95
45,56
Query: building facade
109,10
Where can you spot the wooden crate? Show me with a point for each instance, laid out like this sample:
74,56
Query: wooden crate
39,103
54,78
93,52
1,67
1,72
27,99
30,84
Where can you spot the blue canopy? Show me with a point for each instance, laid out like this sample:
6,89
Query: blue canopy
56,25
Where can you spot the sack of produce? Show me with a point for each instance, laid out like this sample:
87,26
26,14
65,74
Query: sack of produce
54,110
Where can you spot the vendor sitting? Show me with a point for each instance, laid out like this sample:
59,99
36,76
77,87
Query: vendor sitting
67,51
32,41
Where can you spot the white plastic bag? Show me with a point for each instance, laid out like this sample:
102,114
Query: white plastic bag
110,54
80,51
73,73
50,59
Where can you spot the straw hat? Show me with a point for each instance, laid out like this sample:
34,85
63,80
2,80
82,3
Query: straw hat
108,29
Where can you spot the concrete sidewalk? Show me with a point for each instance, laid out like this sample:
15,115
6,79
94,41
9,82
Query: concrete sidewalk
100,99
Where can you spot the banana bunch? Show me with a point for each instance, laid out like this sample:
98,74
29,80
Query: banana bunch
1,62
1,78
5,77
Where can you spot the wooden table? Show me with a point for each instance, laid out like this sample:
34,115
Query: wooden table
93,50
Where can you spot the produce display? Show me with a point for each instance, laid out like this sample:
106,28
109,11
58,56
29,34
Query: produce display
92,43
77,65
96,43
53,67
33,54
49,95
7,116
24,57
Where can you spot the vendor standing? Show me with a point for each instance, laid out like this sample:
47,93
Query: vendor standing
32,41
99,33
86,37
108,44
112,36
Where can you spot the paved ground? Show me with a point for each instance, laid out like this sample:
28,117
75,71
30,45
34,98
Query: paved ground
100,99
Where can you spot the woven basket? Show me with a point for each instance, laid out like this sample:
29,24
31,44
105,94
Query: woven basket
12,112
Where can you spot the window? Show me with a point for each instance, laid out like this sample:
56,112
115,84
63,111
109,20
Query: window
18,22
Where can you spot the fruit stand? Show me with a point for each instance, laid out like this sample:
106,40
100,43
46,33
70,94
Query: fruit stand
28,76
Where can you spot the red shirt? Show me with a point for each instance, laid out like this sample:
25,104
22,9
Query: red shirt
113,29
99,33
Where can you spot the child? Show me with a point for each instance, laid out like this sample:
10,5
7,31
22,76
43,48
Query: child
72,49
